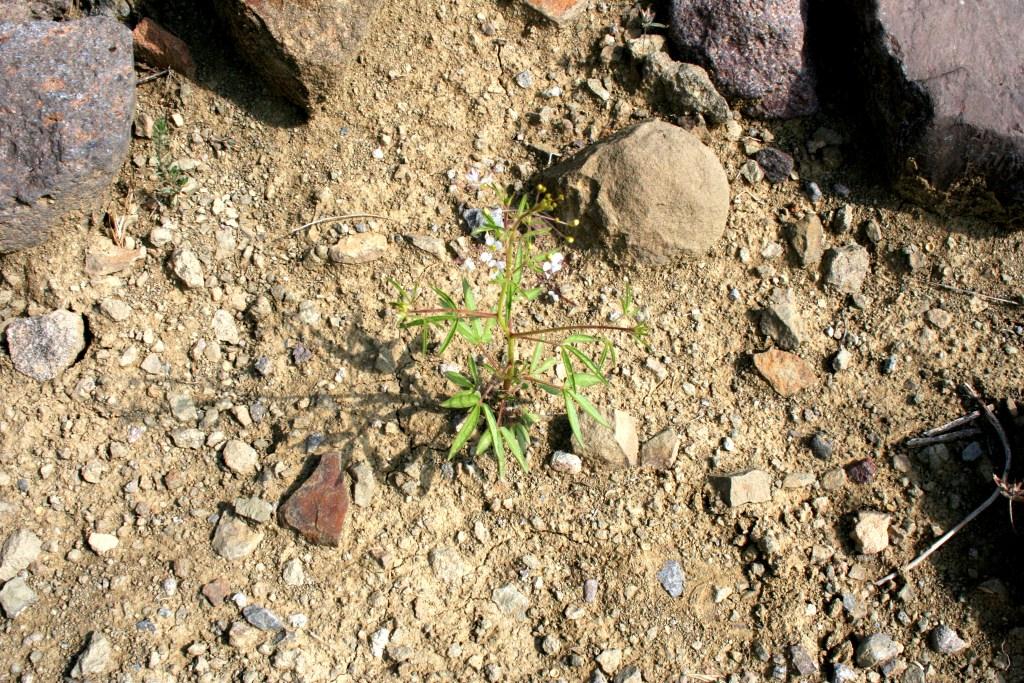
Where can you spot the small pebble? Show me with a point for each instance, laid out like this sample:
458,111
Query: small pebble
821,447
672,578
862,471
945,640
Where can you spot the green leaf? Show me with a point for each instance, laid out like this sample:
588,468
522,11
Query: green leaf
446,300
483,444
522,436
458,379
590,410
533,294
473,371
570,372
496,444
447,338
583,358
583,338
586,379
462,400
489,220
535,358
467,295
428,320
606,353
574,418
468,427
549,388
546,366
627,301
513,445
467,332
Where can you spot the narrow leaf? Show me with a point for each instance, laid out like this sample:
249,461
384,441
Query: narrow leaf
467,332
584,358
463,399
522,436
458,379
590,410
570,372
447,339
428,320
467,295
483,444
584,338
587,379
535,359
468,427
574,418
446,300
496,445
513,445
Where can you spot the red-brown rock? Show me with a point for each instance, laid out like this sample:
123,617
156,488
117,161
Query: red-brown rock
787,372
303,49
68,94
317,509
559,11
216,591
158,47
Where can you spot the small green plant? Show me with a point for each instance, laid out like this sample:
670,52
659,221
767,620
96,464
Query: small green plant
646,19
172,179
506,361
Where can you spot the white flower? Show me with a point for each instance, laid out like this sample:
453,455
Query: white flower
492,243
553,264
469,265
487,258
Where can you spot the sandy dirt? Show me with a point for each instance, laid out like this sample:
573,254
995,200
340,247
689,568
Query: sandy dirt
435,91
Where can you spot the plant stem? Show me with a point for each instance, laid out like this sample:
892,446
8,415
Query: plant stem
461,312
569,328
533,380
511,244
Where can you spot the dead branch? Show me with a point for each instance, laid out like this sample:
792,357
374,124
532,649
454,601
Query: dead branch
961,435
986,409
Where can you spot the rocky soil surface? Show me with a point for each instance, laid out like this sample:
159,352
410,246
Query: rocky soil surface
171,507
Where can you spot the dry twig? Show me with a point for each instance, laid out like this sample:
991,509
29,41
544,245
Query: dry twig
971,292
961,435
152,76
953,424
1008,455
328,219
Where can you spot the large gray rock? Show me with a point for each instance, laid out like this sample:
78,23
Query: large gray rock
652,191
303,49
43,346
685,88
30,10
754,49
65,117
942,88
